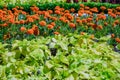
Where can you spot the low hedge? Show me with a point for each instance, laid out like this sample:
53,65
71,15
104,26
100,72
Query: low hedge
51,6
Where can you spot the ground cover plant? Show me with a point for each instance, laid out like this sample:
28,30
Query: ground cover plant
61,57
2,2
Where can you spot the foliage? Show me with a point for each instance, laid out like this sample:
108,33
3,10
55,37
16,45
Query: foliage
52,5
77,57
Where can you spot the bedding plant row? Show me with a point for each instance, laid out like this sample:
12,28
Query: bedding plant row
2,2
19,24
69,57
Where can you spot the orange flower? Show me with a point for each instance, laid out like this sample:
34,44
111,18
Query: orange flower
112,14
94,9
12,21
30,19
34,8
62,18
56,33
67,11
100,27
70,17
87,8
82,5
52,23
14,9
36,31
82,33
4,25
90,24
49,26
94,26
42,23
112,35
35,17
34,26
72,25
100,16
57,12
62,9
30,31
103,17
118,13
22,29
22,21
117,40
54,18
50,11
110,10
116,21
80,14
66,21
78,20
84,21
103,8
118,8
72,10
89,19
57,7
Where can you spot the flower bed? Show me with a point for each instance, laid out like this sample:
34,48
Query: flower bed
19,24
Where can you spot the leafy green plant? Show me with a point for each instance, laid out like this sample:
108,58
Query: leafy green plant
77,57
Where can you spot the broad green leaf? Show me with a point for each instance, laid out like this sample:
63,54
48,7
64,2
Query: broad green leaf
63,46
49,65
64,59
37,54
70,78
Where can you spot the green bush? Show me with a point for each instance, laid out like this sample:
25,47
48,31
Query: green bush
64,5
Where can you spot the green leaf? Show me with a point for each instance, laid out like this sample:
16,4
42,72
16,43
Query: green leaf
118,46
64,59
37,54
49,65
63,46
70,77
2,72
